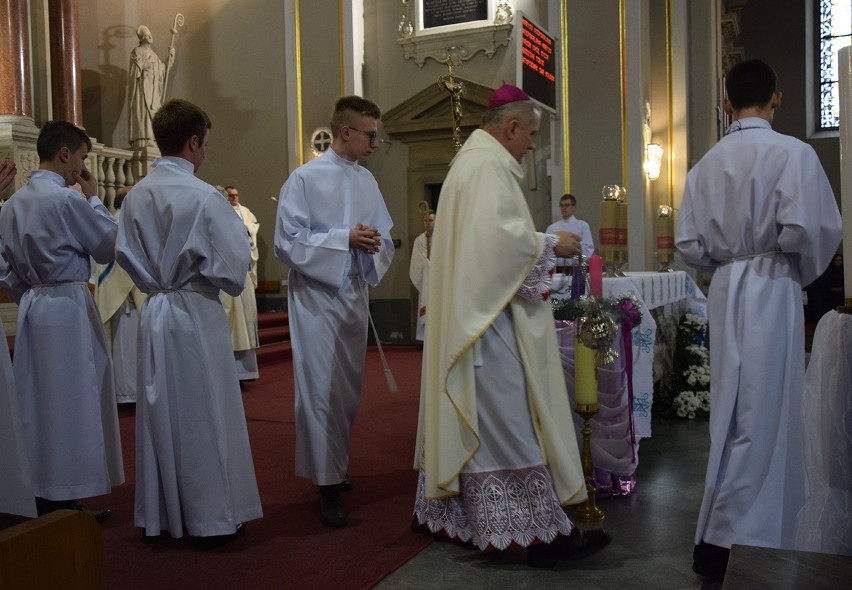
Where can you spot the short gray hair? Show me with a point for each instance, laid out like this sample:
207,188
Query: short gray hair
523,110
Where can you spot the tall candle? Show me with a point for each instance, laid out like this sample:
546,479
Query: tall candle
608,235
664,225
596,275
585,374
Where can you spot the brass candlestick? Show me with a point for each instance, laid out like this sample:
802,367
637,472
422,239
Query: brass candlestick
588,511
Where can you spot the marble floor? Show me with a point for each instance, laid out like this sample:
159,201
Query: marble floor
652,533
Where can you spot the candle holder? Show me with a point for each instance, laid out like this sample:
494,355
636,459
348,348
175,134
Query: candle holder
588,511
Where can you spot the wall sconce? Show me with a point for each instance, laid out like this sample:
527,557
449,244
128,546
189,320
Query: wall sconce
653,160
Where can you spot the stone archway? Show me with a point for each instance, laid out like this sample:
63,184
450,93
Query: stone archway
424,123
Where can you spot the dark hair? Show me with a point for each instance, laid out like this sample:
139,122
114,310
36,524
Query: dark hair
750,83
348,107
177,121
56,135
568,197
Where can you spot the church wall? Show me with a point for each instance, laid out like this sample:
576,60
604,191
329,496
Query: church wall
389,80
594,73
230,57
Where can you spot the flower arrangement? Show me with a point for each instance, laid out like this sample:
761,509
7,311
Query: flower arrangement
685,392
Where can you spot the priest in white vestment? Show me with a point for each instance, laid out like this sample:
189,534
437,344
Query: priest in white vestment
242,309
333,231
759,211
119,302
63,371
418,269
181,243
16,484
496,447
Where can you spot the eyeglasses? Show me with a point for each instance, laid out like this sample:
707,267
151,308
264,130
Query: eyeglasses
373,135
564,205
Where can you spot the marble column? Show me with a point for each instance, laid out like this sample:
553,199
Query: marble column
15,92
66,85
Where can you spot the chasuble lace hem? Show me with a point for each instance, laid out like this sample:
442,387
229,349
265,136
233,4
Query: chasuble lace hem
497,508
538,284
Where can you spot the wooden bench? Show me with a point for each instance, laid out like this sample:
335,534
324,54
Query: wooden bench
63,549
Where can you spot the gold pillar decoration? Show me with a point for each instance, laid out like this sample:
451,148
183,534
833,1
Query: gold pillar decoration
455,87
15,93
65,81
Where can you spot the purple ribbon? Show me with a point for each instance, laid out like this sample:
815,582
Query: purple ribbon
627,341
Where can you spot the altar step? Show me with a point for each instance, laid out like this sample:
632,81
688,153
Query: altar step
273,329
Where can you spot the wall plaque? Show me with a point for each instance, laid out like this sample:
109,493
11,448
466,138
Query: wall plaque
440,13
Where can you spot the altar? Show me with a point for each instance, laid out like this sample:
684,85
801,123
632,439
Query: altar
623,418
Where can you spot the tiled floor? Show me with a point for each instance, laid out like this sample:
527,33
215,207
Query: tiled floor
652,533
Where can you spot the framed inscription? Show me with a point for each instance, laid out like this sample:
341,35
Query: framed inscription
456,30
442,13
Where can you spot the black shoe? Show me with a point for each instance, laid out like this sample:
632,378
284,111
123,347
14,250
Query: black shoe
99,515
545,555
578,545
582,544
331,506
151,539
710,561
346,484
44,506
214,541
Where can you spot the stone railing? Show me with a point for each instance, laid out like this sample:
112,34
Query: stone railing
116,168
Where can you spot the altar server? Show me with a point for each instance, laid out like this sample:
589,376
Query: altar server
418,268
181,243
496,448
758,210
16,484
333,231
63,371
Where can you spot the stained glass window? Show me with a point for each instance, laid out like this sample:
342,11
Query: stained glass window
835,30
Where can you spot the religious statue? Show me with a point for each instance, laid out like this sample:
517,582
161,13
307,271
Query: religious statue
148,82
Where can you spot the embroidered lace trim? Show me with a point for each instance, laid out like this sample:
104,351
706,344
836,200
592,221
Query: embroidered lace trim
497,508
538,284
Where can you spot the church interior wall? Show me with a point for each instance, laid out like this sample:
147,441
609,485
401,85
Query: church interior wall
595,107
231,56
389,80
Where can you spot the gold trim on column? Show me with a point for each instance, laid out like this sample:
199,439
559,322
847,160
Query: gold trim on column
669,106
622,39
566,135
342,52
300,133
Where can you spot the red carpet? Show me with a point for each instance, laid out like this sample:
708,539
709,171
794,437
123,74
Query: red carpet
288,547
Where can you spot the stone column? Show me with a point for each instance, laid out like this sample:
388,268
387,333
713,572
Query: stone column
15,91
66,86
